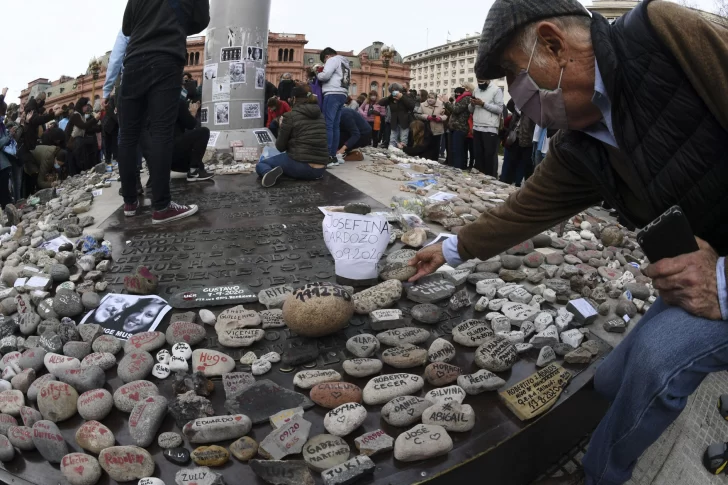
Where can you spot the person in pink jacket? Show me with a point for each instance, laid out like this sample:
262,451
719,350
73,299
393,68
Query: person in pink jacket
374,114
433,111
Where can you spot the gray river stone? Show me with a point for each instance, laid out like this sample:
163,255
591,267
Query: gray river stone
472,333
169,440
325,451
78,350
264,399
377,297
481,381
274,296
104,360
217,428
106,343
454,417
145,420
95,405
362,367
49,442
382,389
496,355
405,356
83,379
135,366
433,441
427,313
431,289
344,419
129,395
349,472
404,410
363,345
404,335
275,472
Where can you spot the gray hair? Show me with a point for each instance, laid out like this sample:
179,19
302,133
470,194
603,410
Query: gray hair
395,87
576,26
286,75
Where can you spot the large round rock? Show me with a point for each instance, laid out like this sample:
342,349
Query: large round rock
318,309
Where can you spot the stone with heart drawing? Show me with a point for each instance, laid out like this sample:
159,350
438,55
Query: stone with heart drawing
126,463
211,362
135,366
422,442
405,356
146,341
190,333
382,389
404,410
95,404
37,384
345,419
364,345
80,469
217,428
404,335
55,363
129,395
441,374
331,395
93,436
441,351
362,367
49,442
446,394
308,378
21,437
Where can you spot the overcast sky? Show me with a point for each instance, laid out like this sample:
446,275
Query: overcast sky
63,36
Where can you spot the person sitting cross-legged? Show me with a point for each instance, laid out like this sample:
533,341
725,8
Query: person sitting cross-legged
302,138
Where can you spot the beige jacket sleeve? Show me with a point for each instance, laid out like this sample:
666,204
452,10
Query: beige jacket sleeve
556,191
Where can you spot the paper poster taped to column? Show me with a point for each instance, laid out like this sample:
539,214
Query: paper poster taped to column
356,242
230,54
222,113
237,72
213,138
259,78
255,53
209,44
251,111
210,72
221,89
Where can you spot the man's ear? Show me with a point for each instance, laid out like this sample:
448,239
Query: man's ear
554,40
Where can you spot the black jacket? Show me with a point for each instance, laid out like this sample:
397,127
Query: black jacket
285,89
401,109
673,150
185,120
111,119
303,134
154,28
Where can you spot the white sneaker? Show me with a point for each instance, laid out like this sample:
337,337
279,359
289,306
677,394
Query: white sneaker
339,159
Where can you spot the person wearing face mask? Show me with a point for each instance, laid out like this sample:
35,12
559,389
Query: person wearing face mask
486,106
374,115
432,111
642,116
51,160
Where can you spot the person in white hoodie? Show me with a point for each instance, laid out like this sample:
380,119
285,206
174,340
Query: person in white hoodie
487,108
335,77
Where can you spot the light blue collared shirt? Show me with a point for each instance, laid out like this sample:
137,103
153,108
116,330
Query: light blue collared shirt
116,62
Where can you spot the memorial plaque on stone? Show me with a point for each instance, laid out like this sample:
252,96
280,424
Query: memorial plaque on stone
215,296
264,399
536,394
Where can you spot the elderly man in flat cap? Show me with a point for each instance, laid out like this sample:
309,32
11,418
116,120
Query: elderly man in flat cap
642,110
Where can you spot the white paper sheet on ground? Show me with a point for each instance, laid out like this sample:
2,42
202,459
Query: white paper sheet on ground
442,196
440,238
356,242
56,243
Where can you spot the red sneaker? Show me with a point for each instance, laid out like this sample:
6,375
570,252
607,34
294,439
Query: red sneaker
173,212
130,210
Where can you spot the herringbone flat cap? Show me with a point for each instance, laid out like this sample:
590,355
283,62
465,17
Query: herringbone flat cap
505,18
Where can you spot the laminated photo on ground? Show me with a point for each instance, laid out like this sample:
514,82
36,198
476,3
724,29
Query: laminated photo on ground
126,315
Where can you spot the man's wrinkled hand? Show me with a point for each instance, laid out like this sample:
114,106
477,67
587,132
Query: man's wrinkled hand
427,261
689,281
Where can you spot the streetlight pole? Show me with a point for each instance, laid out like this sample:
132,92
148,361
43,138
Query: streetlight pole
95,68
387,54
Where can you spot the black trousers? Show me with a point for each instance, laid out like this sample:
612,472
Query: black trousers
5,197
386,135
486,149
150,93
469,152
111,146
189,149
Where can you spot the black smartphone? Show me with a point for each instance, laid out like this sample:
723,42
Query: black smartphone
668,236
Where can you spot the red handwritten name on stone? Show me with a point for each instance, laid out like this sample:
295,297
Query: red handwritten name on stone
372,436
90,396
210,360
74,459
143,338
59,359
54,390
125,459
20,433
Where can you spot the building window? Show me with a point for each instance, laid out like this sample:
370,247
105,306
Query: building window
374,86
197,58
280,55
285,55
352,89
290,56
462,71
462,80
471,70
